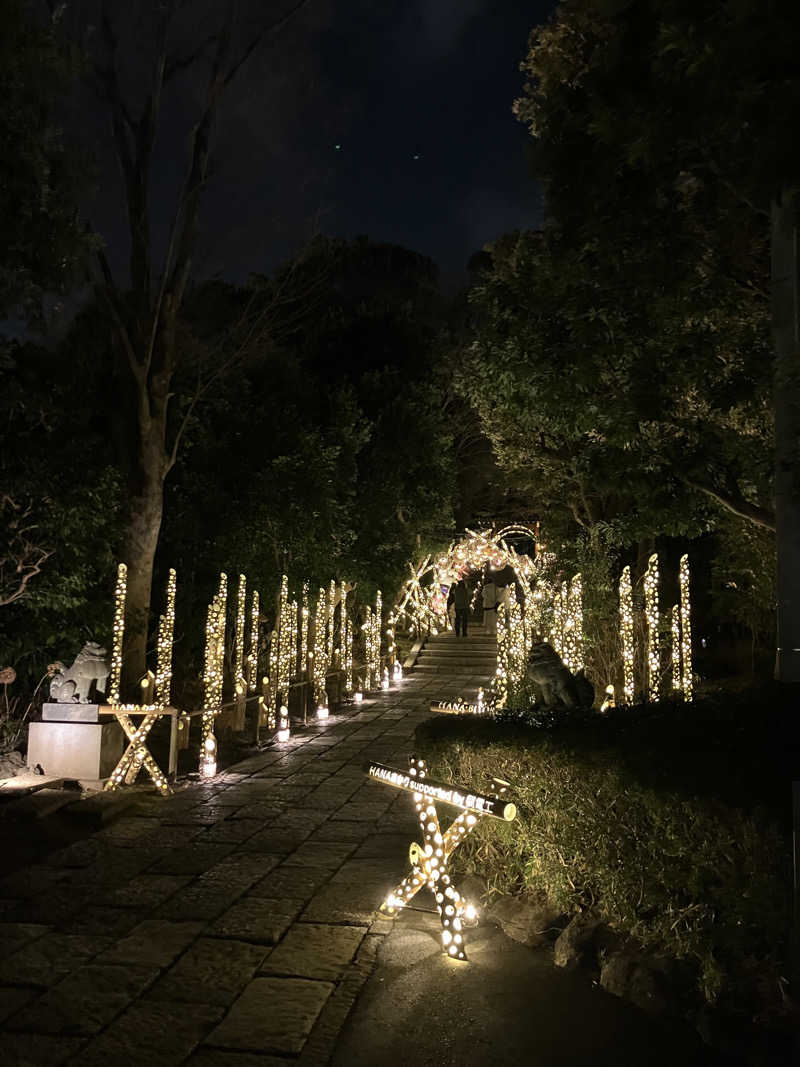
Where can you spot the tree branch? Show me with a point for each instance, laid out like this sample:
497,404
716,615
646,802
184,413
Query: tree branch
733,500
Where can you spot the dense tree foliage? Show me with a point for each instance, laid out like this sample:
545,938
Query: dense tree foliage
44,241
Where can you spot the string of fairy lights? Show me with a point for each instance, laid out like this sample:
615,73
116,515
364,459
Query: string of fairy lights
677,623
308,644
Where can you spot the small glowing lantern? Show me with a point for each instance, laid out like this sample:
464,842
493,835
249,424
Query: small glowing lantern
322,711
385,680
208,766
283,725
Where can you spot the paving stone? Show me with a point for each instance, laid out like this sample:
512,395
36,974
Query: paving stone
296,883
14,935
211,971
257,919
49,958
321,854
393,845
341,903
383,871
219,1057
360,812
233,831
193,859
272,1015
153,943
29,881
262,810
147,891
151,1034
290,793
101,920
78,854
199,902
12,999
128,829
308,778
36,1050
354,832
304,819
241,870
278,841
168,837
85,1001
314,951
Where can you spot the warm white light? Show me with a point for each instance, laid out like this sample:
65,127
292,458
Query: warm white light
322,711
358,697
686,630
626,633
651,615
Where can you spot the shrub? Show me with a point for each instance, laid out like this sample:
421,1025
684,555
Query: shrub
671,822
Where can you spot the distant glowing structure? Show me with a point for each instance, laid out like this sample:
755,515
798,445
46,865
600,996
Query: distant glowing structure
120,596
626,633
651,579
686,630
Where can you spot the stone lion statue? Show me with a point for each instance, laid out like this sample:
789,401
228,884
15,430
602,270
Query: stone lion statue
72,686
553,684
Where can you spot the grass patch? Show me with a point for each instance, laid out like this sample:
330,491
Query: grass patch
672,822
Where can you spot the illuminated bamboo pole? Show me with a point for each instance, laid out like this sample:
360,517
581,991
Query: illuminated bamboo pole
238,635
305,624
347,651
330,622
320,666
376,639
576,620
676,648
366,628
272,708
626,633
213,674
557,631
120,596
252,660
166,632
284,646
686,629
651,616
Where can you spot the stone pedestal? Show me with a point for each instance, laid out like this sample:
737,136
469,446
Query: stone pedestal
55,712
79,750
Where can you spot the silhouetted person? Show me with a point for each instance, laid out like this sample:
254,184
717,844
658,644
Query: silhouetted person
461,604
490,605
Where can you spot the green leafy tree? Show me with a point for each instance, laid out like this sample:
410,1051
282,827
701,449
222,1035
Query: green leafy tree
664,129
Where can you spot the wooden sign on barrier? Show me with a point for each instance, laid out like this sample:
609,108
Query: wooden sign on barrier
429,861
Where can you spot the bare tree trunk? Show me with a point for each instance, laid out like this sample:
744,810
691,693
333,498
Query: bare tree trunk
141,538
785,324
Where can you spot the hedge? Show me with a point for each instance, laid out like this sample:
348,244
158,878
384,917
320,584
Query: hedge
671,822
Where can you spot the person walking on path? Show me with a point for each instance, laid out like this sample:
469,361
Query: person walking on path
461,604
490,605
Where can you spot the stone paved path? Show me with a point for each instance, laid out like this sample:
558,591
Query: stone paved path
232,924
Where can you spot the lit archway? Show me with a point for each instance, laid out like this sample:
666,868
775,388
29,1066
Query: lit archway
422,605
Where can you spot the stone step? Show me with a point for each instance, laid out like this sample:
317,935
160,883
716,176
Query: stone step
458,662
459,651
455,671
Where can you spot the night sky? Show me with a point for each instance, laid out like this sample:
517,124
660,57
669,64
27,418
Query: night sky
416,95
